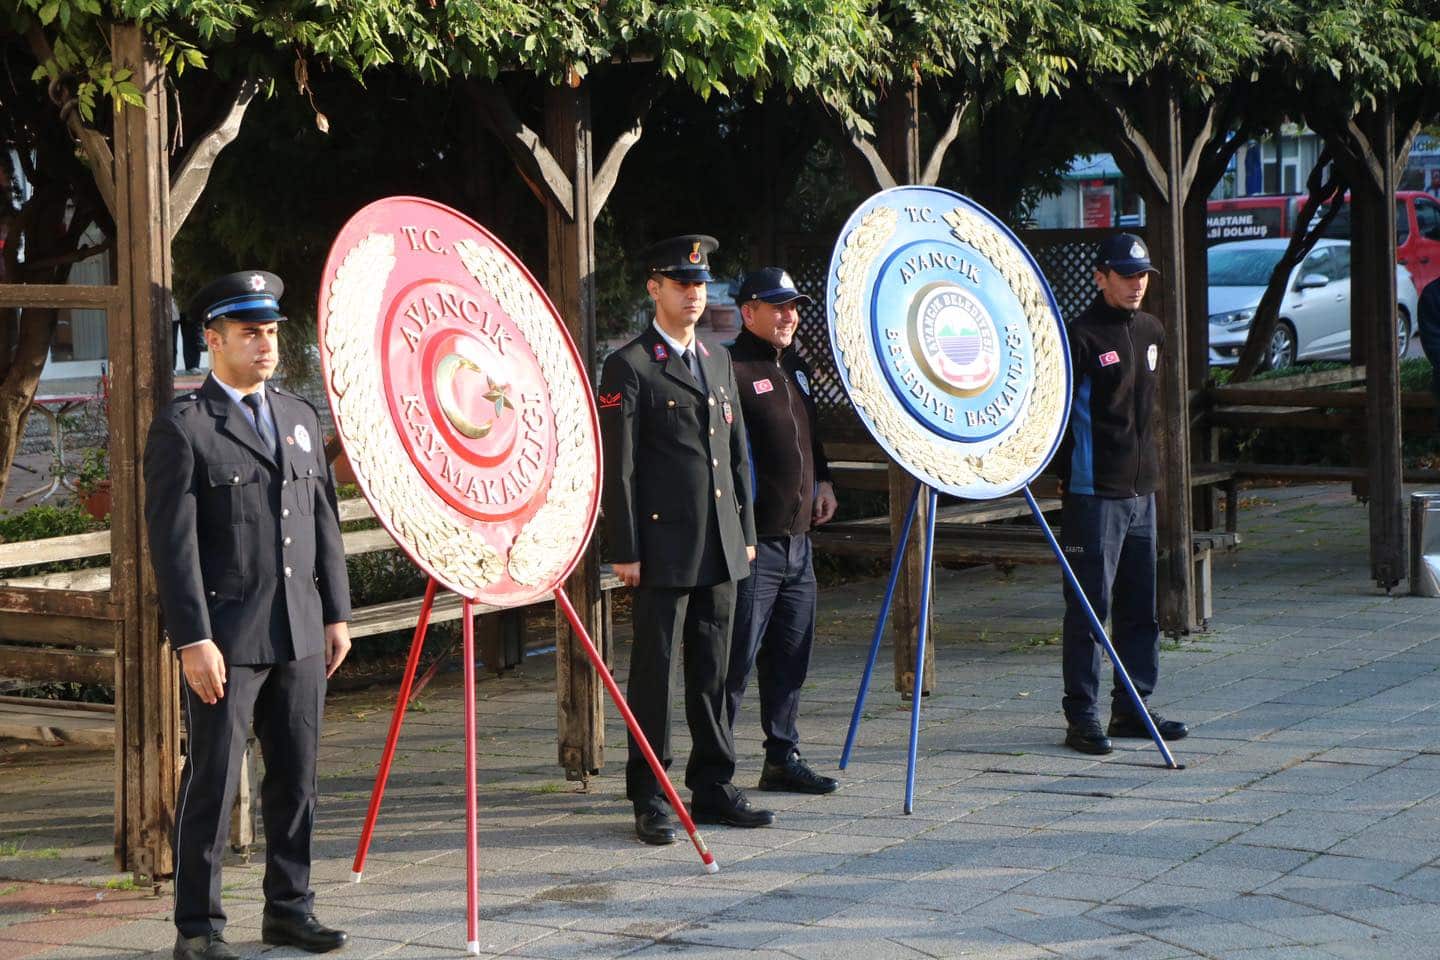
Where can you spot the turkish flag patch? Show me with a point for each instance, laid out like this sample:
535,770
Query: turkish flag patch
763,386
608,400
1109,358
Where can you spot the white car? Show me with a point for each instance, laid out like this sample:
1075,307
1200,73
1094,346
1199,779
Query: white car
1314,319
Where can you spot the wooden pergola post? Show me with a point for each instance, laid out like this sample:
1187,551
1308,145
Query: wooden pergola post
898,143
1372,329
1175,572
579,705
146,676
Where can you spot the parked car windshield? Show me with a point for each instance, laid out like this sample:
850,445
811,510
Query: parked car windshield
1249,267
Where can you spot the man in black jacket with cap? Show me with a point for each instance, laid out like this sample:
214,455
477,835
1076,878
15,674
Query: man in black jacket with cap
1109,472
680,532
775,606
245,541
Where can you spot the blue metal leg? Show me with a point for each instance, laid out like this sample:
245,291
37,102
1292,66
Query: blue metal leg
880,624
916,689
1099,631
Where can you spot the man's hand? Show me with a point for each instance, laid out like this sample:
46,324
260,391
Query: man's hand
337,646
202,669
750,554
629,573
825,503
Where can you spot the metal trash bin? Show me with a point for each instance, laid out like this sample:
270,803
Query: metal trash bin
1425,544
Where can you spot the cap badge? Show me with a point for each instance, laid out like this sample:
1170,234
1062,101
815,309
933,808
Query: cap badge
695,252
302,437
256,282
1137,252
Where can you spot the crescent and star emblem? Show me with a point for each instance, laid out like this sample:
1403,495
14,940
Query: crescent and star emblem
467,357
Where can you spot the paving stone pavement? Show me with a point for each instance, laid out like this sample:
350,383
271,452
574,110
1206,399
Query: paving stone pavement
1305,825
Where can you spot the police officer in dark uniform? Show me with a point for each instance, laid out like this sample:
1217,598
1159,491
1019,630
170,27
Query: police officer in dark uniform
775,607
680,531
1109,472
245,540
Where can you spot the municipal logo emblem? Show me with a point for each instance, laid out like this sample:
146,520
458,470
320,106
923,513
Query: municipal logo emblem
302,437
803,382
955,341
948,341
1152,356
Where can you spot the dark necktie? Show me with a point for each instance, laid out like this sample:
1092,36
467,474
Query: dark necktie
262,423
692,363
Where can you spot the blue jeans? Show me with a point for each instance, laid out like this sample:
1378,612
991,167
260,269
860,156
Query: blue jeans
774,632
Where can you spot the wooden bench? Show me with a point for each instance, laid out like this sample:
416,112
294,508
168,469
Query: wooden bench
78,656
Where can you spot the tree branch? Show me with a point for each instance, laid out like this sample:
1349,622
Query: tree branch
931,174
90,140
1200,145
74,256
609,171
194,173
537,164
1145,166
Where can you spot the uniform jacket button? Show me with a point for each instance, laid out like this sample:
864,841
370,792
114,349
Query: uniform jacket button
286,541
712,401
712,431
288,571
717,494
284,482
284,511
310,471
235,478
715,461
654,516
212,593
669,403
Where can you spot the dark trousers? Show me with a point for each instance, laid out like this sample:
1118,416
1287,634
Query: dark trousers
774,633
697,620
286,701
190,341
1110,544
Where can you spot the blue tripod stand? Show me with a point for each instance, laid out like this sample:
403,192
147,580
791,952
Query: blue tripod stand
931,499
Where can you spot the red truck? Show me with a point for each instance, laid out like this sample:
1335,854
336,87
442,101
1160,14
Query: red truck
1417,226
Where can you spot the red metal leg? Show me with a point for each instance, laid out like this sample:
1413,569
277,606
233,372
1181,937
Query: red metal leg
472,880
402,700
706,857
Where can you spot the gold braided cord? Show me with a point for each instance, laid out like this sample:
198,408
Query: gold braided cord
550,539
1023,451
402,501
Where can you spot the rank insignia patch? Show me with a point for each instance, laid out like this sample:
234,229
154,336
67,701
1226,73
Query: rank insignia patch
661,353
608,400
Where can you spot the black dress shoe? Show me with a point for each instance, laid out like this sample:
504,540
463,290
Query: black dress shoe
209,946
1086,736
654,827
795,776
738,812
1129,725
304,932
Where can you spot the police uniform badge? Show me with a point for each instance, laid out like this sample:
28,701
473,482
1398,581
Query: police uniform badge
728,410
948,341
302,437
1152,356
803,382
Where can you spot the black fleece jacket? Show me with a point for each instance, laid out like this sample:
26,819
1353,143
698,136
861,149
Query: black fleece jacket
786,457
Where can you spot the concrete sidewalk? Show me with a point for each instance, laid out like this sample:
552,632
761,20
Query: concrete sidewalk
1306,825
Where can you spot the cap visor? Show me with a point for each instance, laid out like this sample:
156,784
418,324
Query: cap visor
688,274
256,315
1129,268
777,299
